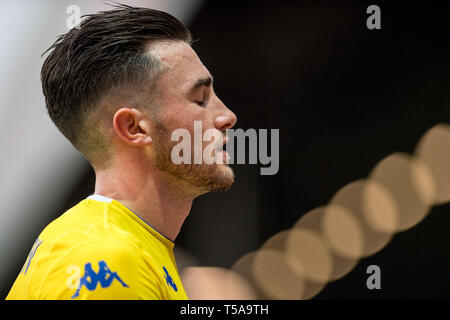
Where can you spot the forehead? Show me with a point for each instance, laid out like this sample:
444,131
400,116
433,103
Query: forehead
183,66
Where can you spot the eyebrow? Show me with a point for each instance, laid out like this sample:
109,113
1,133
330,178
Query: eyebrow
207,82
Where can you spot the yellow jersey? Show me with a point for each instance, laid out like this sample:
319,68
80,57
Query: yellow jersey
99,249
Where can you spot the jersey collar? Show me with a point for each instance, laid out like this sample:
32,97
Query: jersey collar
152,230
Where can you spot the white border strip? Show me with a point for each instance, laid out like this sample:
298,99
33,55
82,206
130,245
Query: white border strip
100,198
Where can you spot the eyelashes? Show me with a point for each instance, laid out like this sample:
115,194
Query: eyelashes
206,97
204,102
201,103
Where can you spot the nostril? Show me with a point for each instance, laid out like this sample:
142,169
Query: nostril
224,122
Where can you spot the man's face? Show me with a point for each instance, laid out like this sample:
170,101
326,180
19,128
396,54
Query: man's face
185,94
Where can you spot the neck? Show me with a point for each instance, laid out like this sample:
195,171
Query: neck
149,193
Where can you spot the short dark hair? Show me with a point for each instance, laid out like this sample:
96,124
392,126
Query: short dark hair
107,52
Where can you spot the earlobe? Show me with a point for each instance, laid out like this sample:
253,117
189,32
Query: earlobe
146,140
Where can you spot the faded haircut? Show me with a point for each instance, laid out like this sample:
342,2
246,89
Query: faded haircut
107,56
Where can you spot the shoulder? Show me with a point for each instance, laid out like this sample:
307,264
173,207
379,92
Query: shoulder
83,250
84,229
111,249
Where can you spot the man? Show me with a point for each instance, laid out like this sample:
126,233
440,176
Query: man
117,88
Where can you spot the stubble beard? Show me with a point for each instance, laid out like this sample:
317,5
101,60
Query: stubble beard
199,178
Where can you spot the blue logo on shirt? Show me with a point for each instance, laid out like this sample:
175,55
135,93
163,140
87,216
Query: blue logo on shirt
169,279
104,276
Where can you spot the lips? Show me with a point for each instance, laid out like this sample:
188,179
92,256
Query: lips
222,147
225,141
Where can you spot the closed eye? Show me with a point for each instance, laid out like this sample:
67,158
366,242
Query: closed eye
204,98
201,103
201,90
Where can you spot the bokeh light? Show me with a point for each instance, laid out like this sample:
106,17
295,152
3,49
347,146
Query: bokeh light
345,224
434,150
341,265
361,218
212,283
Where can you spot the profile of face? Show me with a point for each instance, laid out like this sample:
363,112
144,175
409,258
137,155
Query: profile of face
185,94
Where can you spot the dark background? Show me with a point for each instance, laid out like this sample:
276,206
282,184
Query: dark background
344,97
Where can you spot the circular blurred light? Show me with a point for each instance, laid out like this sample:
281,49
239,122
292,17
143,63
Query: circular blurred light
423,181
312,219
361,239
277,241
274,276
434,150
340,265
243,266
212,283
308,255
399,174
343,231
379,208
327,242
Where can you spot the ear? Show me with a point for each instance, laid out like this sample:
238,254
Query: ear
132,126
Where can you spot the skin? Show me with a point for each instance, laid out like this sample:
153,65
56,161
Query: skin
141,175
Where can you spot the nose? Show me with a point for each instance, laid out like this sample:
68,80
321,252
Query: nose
225,118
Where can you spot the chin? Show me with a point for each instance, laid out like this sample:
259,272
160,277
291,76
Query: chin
220,179
228,176
198,178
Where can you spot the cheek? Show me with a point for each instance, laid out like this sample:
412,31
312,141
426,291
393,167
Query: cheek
184,115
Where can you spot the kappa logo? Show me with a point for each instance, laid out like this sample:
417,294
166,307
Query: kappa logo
91,279
169,279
